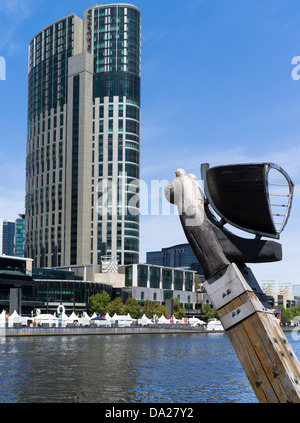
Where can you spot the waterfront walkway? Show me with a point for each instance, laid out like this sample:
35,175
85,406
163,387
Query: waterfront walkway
110,330
102,330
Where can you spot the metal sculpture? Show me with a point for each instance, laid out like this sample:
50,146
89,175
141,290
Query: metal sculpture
240,195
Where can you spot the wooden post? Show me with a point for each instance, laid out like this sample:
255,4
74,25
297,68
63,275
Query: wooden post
268,360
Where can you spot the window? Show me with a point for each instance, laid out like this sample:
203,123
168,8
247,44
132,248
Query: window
188,281
131,244
142,276
178,280
132,156
167,279
132,112
132,170
128,276
154,277
132,126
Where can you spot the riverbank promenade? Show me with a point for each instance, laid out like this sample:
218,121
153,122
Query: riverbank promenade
102,330
111,330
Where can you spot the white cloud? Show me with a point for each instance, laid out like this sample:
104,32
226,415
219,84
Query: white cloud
14,12
20,8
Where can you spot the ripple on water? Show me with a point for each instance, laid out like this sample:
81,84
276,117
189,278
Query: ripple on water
134,368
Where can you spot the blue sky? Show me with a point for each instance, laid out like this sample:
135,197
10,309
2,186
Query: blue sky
216,88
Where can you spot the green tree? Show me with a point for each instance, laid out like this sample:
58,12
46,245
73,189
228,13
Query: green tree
148,309
133,308
179,312
209,312
160,310
295,311
286,315
116,306
198,282
99,303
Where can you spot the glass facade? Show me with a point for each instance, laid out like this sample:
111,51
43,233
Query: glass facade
20,237
12,237
188,282
10,266
48,294
157,283
57,103
154,277
8,238
48,67
116,47
49,52
142,276
180,255
178,281
46,288
167,279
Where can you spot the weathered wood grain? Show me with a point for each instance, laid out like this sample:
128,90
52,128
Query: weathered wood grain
265,354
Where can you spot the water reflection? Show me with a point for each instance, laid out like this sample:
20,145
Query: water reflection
131,368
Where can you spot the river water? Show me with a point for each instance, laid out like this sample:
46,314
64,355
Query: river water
175,368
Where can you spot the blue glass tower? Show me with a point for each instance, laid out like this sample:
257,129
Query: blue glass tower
8,238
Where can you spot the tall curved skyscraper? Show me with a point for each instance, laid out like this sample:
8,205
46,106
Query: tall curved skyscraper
83,141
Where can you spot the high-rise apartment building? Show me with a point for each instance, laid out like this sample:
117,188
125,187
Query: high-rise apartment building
83,141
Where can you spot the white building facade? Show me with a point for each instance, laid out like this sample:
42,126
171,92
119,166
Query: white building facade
159,284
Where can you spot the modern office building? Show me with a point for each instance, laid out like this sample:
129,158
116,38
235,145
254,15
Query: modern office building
159,284
25,289
83,141
7,233
12,236
180,256
20,236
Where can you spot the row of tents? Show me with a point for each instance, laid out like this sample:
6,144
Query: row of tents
85,320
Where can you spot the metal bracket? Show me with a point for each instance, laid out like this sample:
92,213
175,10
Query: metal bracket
242,312
230,283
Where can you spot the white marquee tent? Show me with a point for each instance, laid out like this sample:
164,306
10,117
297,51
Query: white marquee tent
162,319
2,319
46,318
144,320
